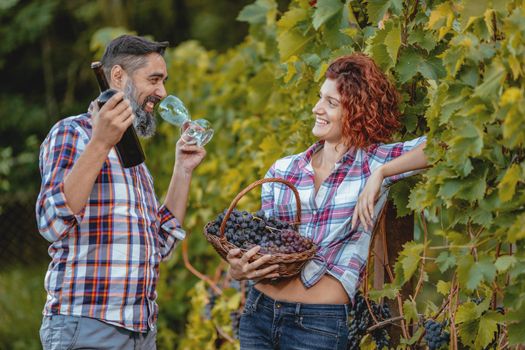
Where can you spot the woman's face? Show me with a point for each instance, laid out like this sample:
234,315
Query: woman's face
328,113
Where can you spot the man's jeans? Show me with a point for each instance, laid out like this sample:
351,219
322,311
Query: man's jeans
271,324
60,332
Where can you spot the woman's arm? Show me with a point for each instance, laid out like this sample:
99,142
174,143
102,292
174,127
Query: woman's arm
412,160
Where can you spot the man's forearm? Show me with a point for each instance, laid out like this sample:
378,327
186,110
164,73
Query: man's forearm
178,192
412,160
79,182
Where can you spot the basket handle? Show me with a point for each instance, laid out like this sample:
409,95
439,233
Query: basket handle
251,187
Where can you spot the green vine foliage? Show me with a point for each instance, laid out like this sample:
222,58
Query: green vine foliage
460,69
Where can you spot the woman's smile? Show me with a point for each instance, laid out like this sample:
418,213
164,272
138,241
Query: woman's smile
321,122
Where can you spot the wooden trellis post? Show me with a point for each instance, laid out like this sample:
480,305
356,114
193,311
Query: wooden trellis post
394,232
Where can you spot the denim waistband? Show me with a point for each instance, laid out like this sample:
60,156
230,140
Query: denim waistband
257,298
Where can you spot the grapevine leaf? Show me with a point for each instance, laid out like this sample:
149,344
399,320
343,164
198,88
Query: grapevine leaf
325,9
399,193
467,273
431,68
445,261
388,291
488,326
256,13
270,145
422,38
471,189
515,66
409,258
453,59
393,41
441,19
410,311
443,287
472,8
377,9
517,230
292,17
292,43
503,263
466,312
516,333
513,131
507,186
377,49
499,5
472,273
510,97
408,64
414,339
260,88
492,81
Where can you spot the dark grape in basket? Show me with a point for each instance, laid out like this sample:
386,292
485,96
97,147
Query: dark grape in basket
245,230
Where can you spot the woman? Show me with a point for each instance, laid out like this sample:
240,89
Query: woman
355,115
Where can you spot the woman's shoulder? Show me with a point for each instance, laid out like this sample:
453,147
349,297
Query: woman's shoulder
286,161
292,161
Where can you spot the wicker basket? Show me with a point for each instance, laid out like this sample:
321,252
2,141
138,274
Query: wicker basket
289,264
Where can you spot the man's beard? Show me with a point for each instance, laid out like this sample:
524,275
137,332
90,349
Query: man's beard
144,123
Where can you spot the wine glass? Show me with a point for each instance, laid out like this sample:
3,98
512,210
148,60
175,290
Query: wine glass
172,110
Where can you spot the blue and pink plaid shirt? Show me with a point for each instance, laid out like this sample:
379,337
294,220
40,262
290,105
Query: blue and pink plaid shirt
104,260
326,217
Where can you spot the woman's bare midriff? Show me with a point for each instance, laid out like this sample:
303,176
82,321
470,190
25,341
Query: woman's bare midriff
327,291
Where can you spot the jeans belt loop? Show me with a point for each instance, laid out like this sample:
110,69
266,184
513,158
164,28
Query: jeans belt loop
256,301
297,309
347,312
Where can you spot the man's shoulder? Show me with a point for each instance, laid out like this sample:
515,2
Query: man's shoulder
77,124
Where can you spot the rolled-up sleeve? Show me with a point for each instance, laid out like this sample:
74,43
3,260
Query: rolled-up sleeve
382,154
170,233
58,154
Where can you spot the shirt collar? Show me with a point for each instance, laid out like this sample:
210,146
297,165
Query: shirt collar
306,158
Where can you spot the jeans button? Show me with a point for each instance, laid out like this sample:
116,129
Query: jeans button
278,305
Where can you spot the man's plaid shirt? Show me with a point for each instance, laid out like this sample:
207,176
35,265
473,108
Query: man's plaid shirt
326,217
104,260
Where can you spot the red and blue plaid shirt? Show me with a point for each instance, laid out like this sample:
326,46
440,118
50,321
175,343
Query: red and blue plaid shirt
326,217
105,259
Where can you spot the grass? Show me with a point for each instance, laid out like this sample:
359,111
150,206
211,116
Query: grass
22,298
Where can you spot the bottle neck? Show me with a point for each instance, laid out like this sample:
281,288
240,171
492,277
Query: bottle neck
101,77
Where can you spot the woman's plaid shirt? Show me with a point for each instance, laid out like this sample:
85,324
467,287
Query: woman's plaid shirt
104,261
326,217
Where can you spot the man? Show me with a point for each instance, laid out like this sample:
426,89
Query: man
107,231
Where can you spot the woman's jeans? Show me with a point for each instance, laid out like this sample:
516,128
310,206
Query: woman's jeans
270,324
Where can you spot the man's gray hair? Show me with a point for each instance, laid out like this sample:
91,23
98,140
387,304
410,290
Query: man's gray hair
129,51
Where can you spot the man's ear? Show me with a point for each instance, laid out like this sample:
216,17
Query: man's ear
118,77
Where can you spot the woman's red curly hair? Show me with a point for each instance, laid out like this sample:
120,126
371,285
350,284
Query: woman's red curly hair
369,100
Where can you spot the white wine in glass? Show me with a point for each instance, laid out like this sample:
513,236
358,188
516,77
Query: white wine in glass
194,132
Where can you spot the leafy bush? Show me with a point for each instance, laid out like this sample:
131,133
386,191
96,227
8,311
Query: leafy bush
22,298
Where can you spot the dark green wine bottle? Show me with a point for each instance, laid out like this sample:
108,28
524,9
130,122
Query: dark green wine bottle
128,148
